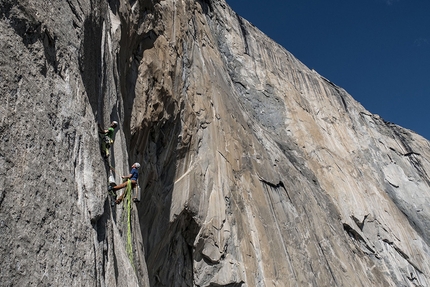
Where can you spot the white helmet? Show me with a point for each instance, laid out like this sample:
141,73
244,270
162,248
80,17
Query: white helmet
114,123
136,165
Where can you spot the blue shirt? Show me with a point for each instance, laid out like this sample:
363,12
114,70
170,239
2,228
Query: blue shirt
134,174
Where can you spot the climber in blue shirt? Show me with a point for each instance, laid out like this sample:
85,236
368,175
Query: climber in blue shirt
133,176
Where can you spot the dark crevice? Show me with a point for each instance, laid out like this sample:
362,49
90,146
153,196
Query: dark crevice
415,162
280,184
114,6
168,245
244,33
132,2
130,56
90,62
412,277
206,6
49,40
115,261
74,11
404,138
276,186
166,266
338,92
411,153
5,163
342,100
243,87
28,28
100,224
297,161
95,265
359,223
2,196
238,284
403,254
31,31
352,233
6,7
357,237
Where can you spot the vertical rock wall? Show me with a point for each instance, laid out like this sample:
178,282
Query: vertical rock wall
256,171
261,172
59,76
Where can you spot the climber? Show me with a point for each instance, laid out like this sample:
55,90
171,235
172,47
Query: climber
134,174
107,138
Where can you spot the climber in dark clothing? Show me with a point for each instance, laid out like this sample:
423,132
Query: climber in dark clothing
133,176
107,138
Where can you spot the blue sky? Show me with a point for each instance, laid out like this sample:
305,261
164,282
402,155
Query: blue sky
377,50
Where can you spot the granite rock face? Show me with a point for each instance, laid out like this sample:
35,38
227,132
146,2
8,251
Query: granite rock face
256,171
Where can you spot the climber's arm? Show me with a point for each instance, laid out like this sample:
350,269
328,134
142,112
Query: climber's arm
127,176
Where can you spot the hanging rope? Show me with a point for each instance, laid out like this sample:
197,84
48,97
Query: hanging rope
129,245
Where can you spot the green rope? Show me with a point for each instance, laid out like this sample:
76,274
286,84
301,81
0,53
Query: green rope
129,246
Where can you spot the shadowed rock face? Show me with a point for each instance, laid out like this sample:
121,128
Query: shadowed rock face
256,171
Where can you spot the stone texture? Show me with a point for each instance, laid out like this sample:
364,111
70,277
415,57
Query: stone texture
256,171
57,80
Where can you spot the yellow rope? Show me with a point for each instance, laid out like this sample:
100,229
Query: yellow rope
129,246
